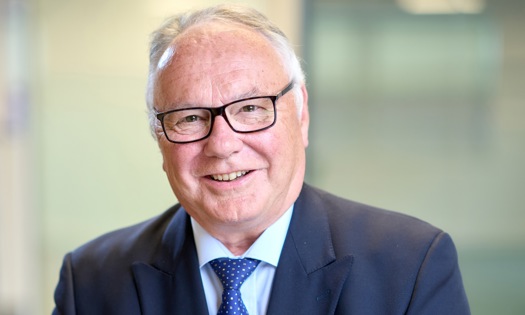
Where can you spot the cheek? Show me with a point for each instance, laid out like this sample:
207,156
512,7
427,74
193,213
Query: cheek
282,145
169,167
174,159
291,135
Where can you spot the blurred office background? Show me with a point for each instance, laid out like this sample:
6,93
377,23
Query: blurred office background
416,106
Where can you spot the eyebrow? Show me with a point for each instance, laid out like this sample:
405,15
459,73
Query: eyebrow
254,92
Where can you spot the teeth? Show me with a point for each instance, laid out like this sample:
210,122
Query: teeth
229,177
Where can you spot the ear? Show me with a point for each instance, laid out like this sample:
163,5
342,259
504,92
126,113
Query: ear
305,116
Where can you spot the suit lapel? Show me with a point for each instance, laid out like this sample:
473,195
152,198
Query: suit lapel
310,277
172,283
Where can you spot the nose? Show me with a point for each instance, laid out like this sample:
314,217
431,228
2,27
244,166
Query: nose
223,141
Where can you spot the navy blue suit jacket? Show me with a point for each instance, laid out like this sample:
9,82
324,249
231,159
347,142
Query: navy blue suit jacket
339,257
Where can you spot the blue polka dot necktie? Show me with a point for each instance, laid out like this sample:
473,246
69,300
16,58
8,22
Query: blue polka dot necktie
233,273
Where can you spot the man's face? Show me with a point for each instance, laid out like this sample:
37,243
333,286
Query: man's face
215,64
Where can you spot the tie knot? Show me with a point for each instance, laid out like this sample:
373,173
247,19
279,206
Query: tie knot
233,272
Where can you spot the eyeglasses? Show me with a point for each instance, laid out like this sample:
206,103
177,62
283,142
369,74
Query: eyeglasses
243,116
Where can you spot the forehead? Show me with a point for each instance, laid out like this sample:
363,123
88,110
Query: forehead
208,37
218,61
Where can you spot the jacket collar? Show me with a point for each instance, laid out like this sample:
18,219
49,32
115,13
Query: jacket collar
171,285
310,276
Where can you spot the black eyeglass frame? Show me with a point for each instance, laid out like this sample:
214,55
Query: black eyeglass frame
220,111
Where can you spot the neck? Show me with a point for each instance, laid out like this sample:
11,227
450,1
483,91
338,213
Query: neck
239,247
235,237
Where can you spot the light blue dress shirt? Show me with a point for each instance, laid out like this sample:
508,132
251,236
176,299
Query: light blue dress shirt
256,289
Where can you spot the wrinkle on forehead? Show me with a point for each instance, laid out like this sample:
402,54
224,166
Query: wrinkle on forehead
203,39
216,63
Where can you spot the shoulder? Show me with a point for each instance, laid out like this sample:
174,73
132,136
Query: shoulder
97,277
136,242
344,211
360,228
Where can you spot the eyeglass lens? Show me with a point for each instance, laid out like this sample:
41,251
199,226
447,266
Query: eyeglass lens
243,116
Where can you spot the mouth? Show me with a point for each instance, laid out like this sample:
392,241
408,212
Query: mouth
228,177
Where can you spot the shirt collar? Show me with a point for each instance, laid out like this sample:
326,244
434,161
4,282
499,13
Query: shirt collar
209,248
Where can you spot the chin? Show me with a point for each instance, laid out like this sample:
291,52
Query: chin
236,215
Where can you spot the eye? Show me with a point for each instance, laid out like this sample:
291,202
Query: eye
191,118
183,119
249,108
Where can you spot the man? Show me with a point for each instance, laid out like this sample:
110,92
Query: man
229,110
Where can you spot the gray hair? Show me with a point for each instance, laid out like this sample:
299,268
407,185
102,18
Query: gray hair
164,36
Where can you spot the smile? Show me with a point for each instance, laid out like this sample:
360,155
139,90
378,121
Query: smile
229,177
